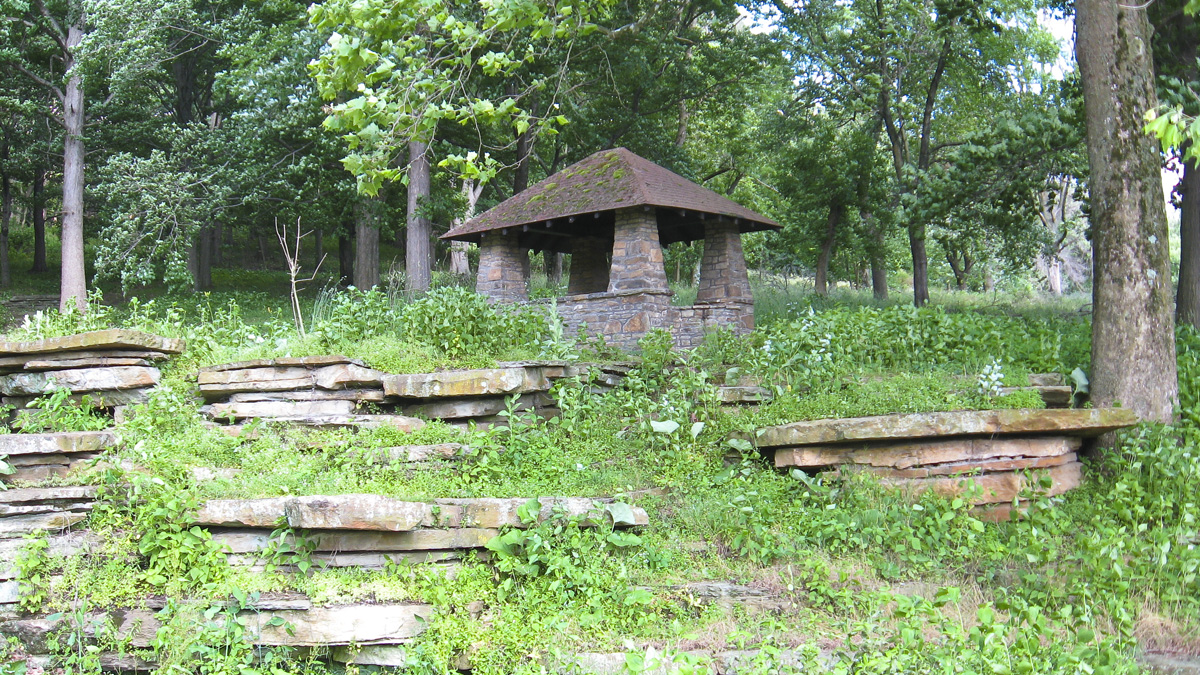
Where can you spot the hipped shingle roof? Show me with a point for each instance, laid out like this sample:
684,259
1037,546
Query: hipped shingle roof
610,180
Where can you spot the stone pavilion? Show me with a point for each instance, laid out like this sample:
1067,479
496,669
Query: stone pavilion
614,212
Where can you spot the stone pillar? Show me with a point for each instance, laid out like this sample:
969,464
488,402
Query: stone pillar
723,276
501,274
637,256
589,265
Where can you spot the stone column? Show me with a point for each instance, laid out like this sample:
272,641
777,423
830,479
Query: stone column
501,274
589,265
723,276
637,256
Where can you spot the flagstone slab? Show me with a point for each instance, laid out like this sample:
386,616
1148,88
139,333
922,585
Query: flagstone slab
266,513
363,395
110,339
68,364
11,363
79,380
979,467
59,545
736,395
1081,423
462,383
346,376
357,512
50,495
252,541
54,443
270,409
907,454
996,487
99,399
19,526
329,360
256,377
464,408
1058,396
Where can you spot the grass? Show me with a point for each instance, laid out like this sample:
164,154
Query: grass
888,582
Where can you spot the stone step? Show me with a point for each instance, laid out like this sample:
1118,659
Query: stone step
997,488
311,361
1080,423
466,383
338,541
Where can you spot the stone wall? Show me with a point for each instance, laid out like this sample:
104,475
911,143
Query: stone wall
113,367
723,275
624,318
637,257
591,258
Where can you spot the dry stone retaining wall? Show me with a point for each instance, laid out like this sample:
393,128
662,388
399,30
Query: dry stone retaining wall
112,367
946,451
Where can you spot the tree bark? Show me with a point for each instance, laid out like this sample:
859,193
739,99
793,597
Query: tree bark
553,262
204,246
821,282
1133,328
73,289
366,243
39,221
418,257
879,272
320,246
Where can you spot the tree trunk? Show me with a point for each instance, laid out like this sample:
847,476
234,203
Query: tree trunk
204,246
554,266
218,241
681,130
39,221
320,252
879,272
821,283
1187,299
6,209
366,243
1054,274
1133,328
460,266
418,257
73,290
920,260
346,259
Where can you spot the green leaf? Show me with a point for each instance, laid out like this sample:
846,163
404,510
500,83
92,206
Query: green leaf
622,514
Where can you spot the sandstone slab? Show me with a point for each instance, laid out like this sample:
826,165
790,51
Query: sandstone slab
996,487
50,495
60,545
1053,396
461,383
347,375
94,362
501,512
19,526
79,380
329,360
12,363
981,467
357,512
1081,423
363,395
371,561
258,379
99,399
399,422
111,339
1046,379
270,409
265,513
907,454
55,443
464,408
401,454
252,541
743,395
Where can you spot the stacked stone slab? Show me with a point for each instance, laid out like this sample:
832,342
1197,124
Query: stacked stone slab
112,367
53,510
369,531
338,391
945,451
38,457
1051,387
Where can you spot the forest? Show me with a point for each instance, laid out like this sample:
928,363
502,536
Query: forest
255,418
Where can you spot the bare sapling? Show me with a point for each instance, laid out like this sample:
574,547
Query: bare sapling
291,254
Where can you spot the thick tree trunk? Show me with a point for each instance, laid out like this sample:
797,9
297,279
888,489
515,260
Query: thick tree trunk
218,244
460,266
320,246
554,266
821,282
73,289
346,259
920,261
1133,328
366,243
879,272
418,257
39,222
1187,299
